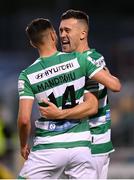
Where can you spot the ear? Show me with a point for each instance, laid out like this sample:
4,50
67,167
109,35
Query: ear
83,35
52,35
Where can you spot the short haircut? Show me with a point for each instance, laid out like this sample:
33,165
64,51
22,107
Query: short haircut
37,28
76,14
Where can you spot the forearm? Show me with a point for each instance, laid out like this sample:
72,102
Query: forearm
80,111
117,86
108,80
24,133
116,81
23,121
88,108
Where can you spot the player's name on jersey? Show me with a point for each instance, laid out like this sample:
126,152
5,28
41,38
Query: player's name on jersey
56,81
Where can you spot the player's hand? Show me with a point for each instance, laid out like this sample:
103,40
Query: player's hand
25,151
51,111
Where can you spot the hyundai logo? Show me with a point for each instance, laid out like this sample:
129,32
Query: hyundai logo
39,76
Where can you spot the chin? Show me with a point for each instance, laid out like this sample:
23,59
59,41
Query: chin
65,50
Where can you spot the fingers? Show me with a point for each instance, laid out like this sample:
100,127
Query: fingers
25,156
45,101
42,111
48,103
25,152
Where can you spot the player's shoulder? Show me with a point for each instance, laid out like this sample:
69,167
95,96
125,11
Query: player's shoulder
95,56
31,68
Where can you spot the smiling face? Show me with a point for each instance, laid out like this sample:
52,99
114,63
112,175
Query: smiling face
71,34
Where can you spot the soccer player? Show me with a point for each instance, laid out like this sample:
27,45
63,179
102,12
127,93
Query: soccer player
59,77
73,30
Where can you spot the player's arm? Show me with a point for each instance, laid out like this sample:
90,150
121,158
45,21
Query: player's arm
24,112
108,80
88,108
24,124
97,73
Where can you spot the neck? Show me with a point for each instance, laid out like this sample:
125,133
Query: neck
46,51
83,47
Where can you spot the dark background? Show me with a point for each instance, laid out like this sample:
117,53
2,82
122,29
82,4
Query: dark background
111,33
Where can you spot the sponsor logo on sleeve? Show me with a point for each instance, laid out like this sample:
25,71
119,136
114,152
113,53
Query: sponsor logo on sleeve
21,85
91,59
100,62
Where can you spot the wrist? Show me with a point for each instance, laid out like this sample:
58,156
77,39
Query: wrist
62,114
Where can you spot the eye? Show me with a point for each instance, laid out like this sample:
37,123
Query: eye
67,30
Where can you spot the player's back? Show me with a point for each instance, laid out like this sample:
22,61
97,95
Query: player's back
60,78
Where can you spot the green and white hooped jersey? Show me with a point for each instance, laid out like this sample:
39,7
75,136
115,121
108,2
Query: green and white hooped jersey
100,124
61,79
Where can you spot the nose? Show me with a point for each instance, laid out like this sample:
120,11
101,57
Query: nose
62,34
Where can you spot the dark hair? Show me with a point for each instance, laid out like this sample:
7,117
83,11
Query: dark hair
76,14
36,29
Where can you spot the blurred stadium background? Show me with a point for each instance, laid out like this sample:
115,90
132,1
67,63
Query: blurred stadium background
111,33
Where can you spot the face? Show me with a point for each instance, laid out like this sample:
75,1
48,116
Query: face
70,34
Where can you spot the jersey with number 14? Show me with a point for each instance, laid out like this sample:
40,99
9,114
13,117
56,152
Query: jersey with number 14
61,79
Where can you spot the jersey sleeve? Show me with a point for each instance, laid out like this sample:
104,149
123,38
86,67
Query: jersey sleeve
24,87
101,62
97,59
91,67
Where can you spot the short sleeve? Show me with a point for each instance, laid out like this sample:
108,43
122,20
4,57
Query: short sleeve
24,87
91,67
